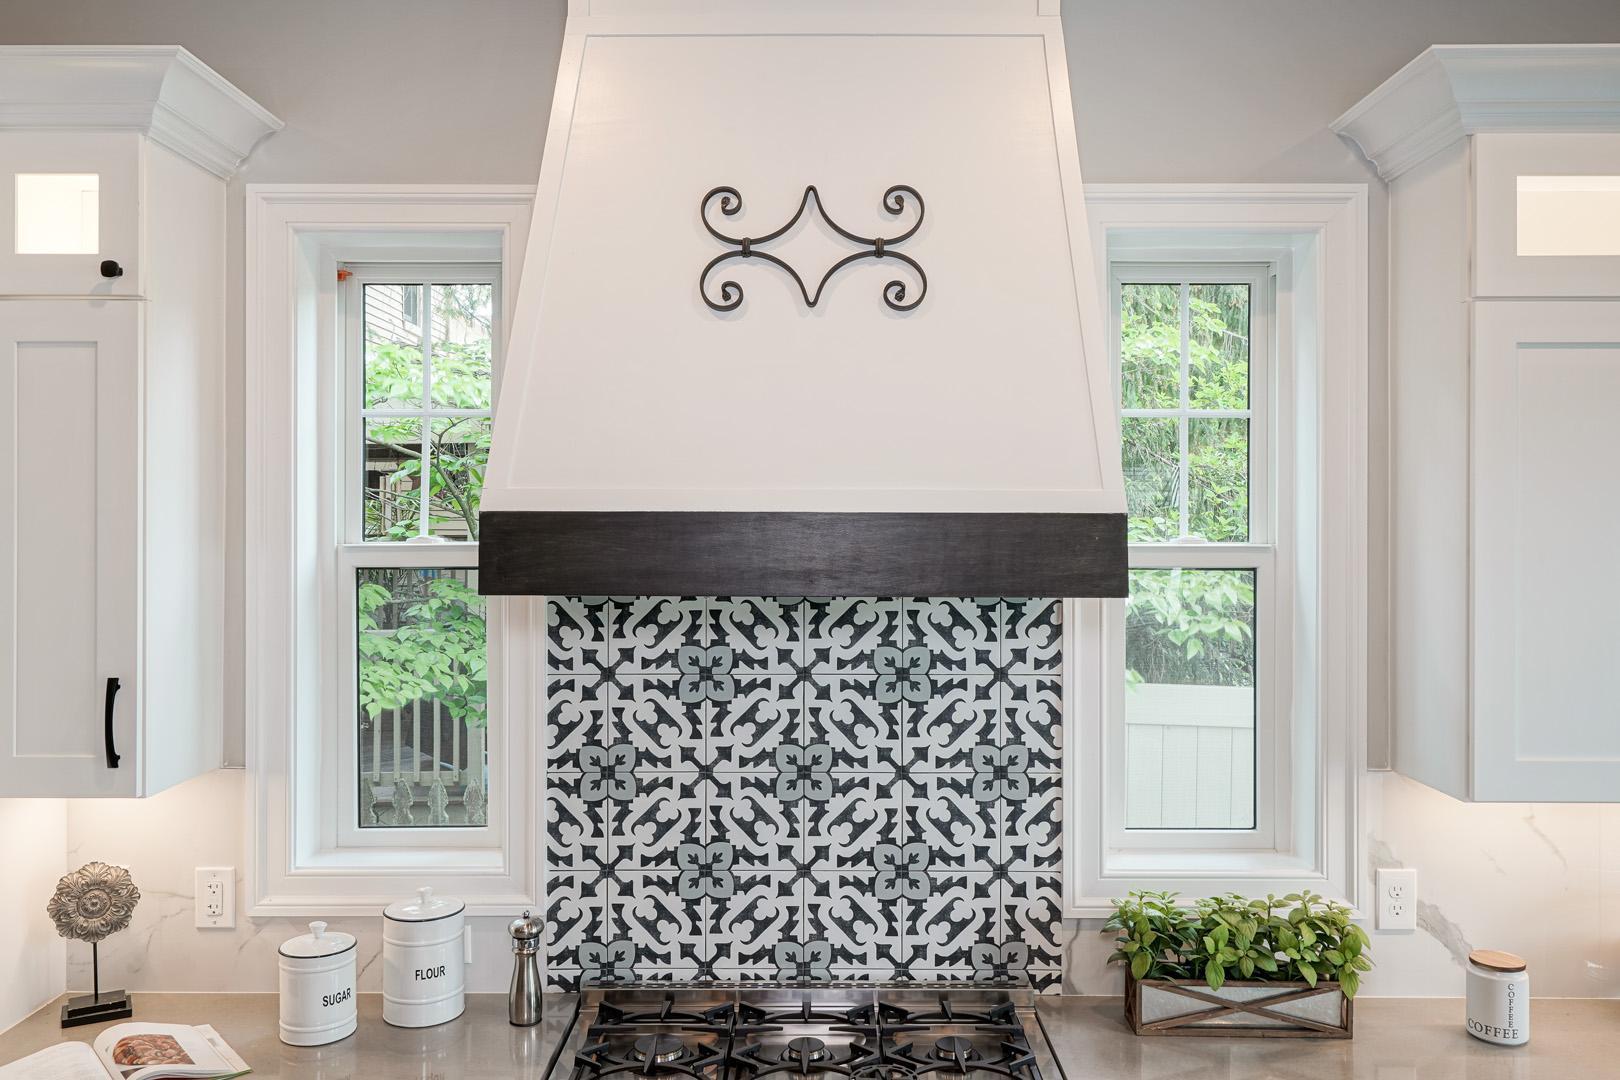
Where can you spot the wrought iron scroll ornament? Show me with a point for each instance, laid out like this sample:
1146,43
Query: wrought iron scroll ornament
895,292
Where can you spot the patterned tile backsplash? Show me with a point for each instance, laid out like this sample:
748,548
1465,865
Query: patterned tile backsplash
810,788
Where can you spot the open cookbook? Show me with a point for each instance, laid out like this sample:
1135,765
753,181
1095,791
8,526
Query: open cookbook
134,1051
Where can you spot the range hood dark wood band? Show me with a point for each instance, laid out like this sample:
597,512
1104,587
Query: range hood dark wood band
701,553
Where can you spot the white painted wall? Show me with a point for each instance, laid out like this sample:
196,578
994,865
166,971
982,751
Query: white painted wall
32,957
1174,90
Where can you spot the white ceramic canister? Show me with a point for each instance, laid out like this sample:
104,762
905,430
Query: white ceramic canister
1498,998
317,987
424,960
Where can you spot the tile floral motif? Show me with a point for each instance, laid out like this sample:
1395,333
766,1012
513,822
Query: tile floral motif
862,929
664,928
843,831
1032,717
649,715
842,634
744,928
576,716
960,634
848,715
763,631
647,633
743,732
942,816
789,788
576,634
1031,636
745,810
663,816
941,733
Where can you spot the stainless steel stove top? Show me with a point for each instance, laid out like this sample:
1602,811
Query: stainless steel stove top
859,1031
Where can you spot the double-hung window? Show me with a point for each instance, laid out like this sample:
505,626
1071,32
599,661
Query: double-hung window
1201,732
1219,710
419,382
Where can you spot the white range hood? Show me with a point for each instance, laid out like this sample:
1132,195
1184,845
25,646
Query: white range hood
658,432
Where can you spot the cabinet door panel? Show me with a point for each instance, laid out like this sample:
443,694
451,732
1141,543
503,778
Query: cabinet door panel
1546,591
69,390
1547,215
68,200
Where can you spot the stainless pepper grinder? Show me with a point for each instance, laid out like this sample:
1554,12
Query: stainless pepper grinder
523,1003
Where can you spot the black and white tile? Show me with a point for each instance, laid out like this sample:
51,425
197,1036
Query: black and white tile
803,788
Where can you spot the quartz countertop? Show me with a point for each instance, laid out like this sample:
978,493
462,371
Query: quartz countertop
1396,1039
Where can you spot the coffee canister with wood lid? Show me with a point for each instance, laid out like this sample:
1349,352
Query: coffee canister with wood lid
424,960
1498,997
317,987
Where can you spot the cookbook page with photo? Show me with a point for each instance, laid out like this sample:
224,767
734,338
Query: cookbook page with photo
150,1051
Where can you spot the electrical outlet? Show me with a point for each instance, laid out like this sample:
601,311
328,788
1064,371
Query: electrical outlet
216,897
1397,899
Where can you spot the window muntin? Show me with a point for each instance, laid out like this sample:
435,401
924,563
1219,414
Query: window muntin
421,371
1190,751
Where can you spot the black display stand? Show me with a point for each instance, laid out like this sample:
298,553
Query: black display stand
96,1007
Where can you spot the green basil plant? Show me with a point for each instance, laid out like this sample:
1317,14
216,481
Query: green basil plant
1295,938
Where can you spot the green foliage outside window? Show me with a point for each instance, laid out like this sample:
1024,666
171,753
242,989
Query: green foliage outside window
422,632
1187,626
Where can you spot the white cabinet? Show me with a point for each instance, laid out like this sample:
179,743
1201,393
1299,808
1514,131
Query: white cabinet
112,415
1503,165
1546,387
70,547
70,200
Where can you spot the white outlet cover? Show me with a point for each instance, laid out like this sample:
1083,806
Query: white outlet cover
1397,899
215,897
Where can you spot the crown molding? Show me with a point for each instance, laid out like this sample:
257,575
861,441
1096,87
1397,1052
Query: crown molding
161,91
1451,91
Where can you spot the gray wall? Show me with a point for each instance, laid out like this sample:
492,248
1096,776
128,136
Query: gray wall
409,91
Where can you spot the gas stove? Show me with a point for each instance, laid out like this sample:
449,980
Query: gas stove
858,1031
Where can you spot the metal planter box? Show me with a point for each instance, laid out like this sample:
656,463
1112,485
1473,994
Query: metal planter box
1277,1010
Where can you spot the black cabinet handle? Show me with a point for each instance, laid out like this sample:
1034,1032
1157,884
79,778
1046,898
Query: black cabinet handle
112,750
110,268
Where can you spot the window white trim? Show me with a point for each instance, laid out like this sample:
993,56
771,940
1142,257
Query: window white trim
1316,235
297,863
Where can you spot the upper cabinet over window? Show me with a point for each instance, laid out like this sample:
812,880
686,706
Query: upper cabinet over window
1503,165
112,334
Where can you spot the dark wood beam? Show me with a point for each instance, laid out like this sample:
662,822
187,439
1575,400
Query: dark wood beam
702,553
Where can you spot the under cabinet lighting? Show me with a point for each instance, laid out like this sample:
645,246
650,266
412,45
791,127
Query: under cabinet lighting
58,213
1569,215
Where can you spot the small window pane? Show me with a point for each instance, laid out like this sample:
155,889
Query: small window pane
463,323
460,452
1218,479
422,723
393,478
393,346
1190,699
1150,346
58,213
1152,458
1569,215
1218,346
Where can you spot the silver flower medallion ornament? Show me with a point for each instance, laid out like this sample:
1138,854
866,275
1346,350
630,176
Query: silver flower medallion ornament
93,901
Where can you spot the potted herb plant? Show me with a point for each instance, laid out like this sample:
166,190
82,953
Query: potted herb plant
1229,965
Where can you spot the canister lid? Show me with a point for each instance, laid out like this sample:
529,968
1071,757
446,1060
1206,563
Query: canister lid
317,943
423,907
526,928
1497,961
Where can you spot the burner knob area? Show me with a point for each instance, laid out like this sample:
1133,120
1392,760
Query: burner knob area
660,1049
955,1048
804,1049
